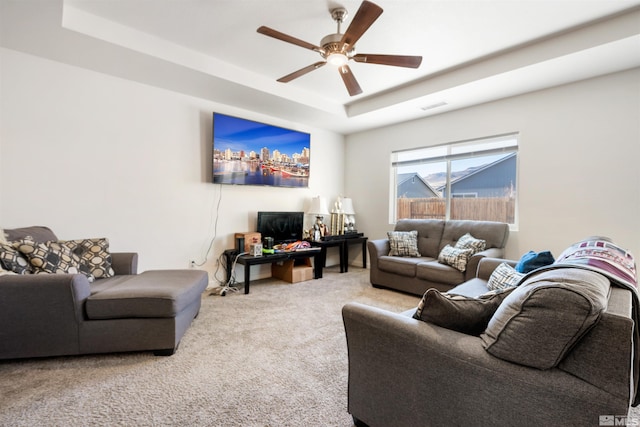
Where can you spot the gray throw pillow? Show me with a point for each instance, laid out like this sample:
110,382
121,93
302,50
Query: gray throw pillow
459,313
455,257
403,243
469,242
504,276
545,316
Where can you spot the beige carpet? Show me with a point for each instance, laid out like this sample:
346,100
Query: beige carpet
275,357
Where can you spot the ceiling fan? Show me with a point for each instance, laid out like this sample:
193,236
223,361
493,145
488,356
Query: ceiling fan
338,49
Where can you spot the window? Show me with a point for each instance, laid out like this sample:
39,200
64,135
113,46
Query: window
473,180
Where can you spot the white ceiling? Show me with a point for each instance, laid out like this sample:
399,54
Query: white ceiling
473,51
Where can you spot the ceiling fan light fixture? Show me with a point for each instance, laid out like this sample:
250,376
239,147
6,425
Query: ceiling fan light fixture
338,59
338,49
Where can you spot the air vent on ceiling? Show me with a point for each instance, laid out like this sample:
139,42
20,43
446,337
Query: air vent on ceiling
432,106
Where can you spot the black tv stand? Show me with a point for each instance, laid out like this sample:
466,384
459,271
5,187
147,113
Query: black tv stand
249,260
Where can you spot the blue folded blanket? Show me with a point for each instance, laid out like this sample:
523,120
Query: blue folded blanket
532,260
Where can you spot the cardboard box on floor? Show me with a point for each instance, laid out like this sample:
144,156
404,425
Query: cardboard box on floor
293,272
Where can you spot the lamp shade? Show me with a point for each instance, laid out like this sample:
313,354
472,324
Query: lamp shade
347,206
318,206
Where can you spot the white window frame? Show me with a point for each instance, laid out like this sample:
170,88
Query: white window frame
448,152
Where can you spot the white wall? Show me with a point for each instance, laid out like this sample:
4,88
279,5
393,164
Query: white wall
91,155
579,161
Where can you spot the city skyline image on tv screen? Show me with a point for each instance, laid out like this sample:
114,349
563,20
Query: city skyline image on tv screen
247,152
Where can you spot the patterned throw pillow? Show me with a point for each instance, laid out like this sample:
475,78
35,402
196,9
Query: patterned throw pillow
455,257
459,313
12,260
94,253
504,276
52,257
403,243
469,242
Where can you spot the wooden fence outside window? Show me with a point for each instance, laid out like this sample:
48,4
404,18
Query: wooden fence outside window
501,209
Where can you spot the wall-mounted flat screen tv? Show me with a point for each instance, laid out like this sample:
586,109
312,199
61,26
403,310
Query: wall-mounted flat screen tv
284,227
252,153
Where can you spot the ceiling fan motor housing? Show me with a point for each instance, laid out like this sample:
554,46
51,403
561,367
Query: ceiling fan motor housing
332,44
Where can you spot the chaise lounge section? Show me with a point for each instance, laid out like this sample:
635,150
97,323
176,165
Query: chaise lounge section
44,315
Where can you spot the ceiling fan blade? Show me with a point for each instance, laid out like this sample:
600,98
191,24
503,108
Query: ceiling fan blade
301,72
349,80
362,20
287,38
394,60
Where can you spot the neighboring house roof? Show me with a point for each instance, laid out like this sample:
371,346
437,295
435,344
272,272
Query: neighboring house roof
478,171
424,188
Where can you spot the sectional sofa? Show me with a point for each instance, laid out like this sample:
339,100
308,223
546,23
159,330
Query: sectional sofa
560,349
65,314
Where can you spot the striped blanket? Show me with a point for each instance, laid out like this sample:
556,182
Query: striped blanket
605,257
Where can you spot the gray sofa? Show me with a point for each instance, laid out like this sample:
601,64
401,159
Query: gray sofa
63,314
417,274
407,372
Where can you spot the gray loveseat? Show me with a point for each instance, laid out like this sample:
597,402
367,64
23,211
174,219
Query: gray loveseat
417,274
63,314
407,372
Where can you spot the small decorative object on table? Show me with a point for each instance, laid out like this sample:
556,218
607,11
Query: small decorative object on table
319,209
342,217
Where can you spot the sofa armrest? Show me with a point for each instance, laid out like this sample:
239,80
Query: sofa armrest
472,264
378,248
40,314
488,264
124,263
403,371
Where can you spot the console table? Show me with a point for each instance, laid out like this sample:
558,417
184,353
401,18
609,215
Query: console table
249,260
324,244
343,245
351,241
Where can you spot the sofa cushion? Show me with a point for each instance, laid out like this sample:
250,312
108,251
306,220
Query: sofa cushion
541,320
154,293
403,243
52,257
433,271
469,242
398,265
12,260
471,288
504,276
460,313
94,253
532,260
455,257
36,233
